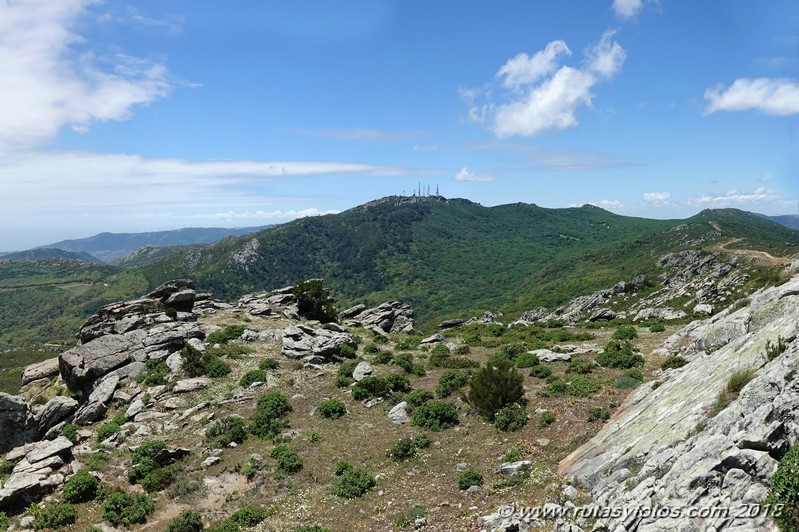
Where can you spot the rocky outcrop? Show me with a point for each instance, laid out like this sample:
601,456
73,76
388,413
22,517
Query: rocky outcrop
122,336
40,370
487,318
390,317
54,412
96,405
663,448
17,424
279,303
315,345
659,313
41,467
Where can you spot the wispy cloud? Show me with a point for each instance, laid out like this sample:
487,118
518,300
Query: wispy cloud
465,175
47,82
774,96
627,8
537,95
363,134
422,147
745,199
657,198
612,205
535,157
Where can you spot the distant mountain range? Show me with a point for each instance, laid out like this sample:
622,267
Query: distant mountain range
105,247
788,220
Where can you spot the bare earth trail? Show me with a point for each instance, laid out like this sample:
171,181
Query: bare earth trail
759,256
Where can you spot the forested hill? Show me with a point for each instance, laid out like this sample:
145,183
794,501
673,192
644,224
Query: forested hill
449,257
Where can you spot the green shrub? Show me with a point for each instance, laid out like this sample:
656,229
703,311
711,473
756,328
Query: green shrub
227,430
82,487
541,372
344,375
353,481
527,360
625,332
598,413
404,361
673,362
583,386
233,351
435,415
494,387
348,351
369,387
254,375
171,312
516,452
408,344
107,430
785,491
657,327
188,521
3,522
155,372
379,339
407,447
332,409
450,381
438,355
217,368
248,516
120,508
382,357
409,517
70,431
547,418
54,515
371,349
510,418
579,365
513,349
314,302
555,387
287,460
626,382
620,354
634,374
470,478
418,397
231,332
268,364
270,414
398,382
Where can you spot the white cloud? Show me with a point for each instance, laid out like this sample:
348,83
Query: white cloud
47,83
538,95
736,198
523,69
609,204
465,175
769,95
657,197
627,8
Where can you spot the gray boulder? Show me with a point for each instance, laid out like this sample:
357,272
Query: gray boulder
391,317
400,414
363,369
17,424
54,412
40,370
302,342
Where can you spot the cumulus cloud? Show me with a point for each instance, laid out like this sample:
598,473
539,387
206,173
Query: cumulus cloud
47,82
657,197
627,8
538,95
465,175
609,204
524,69
774,96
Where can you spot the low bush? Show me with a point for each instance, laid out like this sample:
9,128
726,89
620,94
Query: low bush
527,360
516,452
398,382
248,516
546,419
288,461
188,521
107,430
494,387
344,375
469,478
3,522
556,387
270,414
407,447
598,413
197,363
418,397
510,418
409,517
625,332
82,487
348,351
404,361
579,365
657,327
439,354
217,368
70,431
620,354
353,481
371,349
583,386
369,387
450,381
382,357
332,409
673,362
626,382
227,430
541,372
254,375
55,516
435,415
120,508
155,372
231,332
314,301
785,491
408,344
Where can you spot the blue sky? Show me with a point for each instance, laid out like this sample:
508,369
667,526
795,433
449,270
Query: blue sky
164,114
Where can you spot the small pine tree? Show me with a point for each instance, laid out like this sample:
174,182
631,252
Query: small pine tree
494,387
315,302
